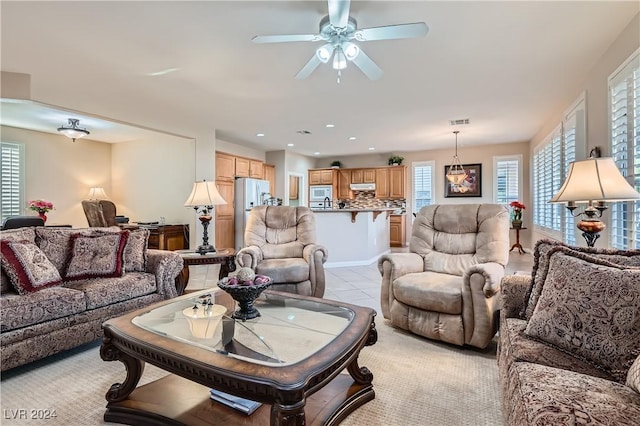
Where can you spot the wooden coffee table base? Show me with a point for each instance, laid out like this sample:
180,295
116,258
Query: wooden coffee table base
174,400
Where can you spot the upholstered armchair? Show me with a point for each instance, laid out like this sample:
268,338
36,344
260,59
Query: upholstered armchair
281,244
448,286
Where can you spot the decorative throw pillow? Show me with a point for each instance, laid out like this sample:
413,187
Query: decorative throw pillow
93,256
590,308
633,376
545,248
27,267
135,252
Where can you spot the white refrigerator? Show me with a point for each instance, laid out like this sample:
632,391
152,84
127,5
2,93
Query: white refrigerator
248,194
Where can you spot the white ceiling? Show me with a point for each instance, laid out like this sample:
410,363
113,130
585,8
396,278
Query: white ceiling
508,66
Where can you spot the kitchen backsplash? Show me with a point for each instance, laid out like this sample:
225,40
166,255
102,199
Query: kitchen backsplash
367,200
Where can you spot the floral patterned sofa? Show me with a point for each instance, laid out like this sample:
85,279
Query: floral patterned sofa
60,284
569,344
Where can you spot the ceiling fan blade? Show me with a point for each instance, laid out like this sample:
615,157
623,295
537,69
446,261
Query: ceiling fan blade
367,66
308,68
417,29
286,38
339,12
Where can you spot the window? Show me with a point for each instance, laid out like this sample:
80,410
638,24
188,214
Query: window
423,194
551,160
508,176
624,109
12,181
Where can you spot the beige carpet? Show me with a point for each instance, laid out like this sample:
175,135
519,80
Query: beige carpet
417,382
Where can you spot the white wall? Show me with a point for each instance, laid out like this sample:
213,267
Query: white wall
152,179
597,100
62,171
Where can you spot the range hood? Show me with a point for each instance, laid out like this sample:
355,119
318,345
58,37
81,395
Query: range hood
362,186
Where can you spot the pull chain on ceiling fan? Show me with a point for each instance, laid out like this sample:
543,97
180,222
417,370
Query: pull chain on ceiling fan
338,30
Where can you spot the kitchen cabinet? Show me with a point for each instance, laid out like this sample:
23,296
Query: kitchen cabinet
256,169
224,216
294,188
363,175
344,180
321,177
396,230
242,167
382,182
270,175
397,181
225,232
225,166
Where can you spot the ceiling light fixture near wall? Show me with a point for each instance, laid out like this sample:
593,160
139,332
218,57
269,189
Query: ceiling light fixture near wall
72,131
456,174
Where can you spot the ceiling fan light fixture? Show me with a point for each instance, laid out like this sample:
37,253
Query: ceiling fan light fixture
323,54
339,59
456,173
351,50
72,131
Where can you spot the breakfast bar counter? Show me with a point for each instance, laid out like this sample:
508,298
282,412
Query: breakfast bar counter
353,237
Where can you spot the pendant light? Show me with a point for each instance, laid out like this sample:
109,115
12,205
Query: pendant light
72,131
456,174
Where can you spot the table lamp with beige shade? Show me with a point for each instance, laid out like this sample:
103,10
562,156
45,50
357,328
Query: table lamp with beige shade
593,182
203,197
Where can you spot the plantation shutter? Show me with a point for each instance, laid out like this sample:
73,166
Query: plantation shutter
624,104
422,185
547,178
507,180
11,183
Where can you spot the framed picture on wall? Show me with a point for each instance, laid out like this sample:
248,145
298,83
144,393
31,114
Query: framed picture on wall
470,187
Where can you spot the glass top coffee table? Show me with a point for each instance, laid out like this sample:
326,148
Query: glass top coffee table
291,359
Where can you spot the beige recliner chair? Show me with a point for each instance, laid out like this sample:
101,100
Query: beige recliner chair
448,286
282,245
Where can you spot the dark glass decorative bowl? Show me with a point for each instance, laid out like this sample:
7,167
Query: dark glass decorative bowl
245,295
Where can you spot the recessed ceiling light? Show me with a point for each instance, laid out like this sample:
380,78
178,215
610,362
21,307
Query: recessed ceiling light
372,149
290,144
330,125
260,135
316,153
352,138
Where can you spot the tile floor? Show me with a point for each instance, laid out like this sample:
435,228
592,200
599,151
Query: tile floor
359,285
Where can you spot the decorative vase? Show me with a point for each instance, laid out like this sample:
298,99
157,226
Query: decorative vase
43,217
516,224
245,295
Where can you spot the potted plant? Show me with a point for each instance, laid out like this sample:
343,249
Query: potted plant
336,165
395,160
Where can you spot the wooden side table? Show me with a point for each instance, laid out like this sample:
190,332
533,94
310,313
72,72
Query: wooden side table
517,244
226,258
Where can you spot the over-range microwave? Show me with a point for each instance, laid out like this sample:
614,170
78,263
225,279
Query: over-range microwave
319,192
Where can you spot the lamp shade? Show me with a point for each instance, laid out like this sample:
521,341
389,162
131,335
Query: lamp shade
594,179
97,193
204,194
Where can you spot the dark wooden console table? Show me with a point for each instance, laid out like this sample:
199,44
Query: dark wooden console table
168,237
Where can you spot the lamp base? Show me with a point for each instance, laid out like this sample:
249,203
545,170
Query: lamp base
204,249
591,230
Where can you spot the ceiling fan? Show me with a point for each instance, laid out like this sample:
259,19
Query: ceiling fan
339,31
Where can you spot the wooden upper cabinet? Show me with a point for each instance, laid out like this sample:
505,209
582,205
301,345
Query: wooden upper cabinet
321,177
270,175
368,175
357,176
344,180
382,183
397,181
225,166
242,167
256,169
